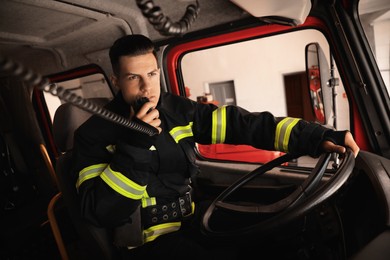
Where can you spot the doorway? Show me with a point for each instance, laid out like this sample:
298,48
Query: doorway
298,96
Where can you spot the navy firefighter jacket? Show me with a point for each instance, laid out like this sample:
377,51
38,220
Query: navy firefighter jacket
115,174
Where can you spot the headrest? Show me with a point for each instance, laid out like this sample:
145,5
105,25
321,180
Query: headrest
67,119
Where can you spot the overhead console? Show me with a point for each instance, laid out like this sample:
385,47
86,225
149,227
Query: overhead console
290,12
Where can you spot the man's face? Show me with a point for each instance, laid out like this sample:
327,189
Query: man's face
139,76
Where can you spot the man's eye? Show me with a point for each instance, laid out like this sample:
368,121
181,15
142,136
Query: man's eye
154,73
133,77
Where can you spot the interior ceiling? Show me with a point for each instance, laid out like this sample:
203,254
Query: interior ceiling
371,6
72,33
60,30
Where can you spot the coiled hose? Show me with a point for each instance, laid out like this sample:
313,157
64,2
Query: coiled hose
162,23
33,79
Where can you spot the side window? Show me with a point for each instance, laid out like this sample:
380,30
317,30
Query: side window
264,74
87,82
89,86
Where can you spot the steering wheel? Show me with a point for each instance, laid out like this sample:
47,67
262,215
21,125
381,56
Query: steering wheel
301,201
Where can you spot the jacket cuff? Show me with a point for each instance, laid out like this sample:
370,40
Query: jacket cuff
336,137
311,138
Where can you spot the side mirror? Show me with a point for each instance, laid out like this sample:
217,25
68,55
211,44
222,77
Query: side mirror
317,71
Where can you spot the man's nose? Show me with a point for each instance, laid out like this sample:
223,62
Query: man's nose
146,85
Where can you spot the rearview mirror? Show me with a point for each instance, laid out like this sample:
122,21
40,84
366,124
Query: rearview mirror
317,71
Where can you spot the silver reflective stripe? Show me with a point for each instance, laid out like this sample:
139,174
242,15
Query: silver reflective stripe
218,132
180,132
123,185
111,148
146,202
90,172
283,133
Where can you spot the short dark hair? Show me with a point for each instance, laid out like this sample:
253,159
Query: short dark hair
130,45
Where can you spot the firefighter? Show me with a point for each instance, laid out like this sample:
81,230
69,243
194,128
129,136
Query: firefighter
138,184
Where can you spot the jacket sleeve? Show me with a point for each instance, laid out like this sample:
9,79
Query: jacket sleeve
112,179
235,125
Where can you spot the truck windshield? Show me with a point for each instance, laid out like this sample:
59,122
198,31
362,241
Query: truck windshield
375,19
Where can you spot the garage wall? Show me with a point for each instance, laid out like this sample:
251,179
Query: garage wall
257,68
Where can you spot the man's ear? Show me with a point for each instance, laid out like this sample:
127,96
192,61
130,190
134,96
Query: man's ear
114,81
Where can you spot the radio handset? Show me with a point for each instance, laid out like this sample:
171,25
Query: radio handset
139,103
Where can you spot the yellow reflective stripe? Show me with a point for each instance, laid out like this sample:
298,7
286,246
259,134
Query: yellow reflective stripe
180,132
218,132
90,172
111,148
146,202
192,207
287,135
283,133
123,185
277,133
153,232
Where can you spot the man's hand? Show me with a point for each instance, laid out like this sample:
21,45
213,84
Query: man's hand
349,142
150,115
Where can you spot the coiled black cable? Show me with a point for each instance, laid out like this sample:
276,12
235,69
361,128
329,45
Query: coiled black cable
164,24
42,83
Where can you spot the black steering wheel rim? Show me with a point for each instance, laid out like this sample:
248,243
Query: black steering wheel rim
289,213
